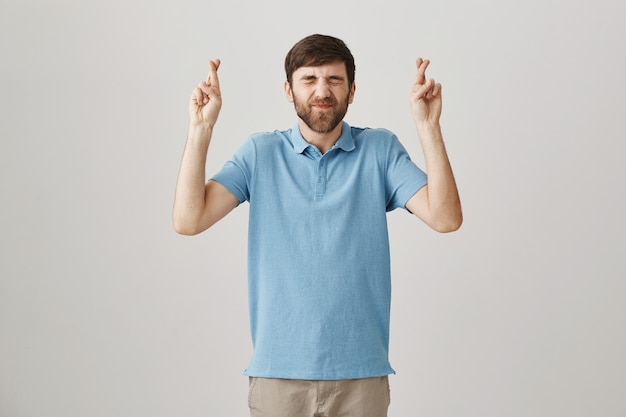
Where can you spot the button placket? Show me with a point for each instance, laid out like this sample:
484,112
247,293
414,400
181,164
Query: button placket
320,183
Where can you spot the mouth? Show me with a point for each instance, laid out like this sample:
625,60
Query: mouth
322,106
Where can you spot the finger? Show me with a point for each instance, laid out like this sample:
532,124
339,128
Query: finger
422,91
197,96
421,64
437,90
429,93
418,62
212,78
204,87
204,92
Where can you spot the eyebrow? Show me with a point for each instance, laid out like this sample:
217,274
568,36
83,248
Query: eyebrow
308,77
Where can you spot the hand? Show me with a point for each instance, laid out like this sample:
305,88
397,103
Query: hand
206,100
425,96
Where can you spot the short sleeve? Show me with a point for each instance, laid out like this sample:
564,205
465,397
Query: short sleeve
403,177
237,173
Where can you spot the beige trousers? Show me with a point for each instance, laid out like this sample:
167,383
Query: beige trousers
270,397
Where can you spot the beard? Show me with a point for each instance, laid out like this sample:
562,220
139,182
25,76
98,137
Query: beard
321,121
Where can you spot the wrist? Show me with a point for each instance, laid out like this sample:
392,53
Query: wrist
428,129
200,128
199,132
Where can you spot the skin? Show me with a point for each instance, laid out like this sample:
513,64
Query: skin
199,204
317,93
438,203
324,94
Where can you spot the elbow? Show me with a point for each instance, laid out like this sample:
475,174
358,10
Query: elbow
185,231
448,228
186,228
448,225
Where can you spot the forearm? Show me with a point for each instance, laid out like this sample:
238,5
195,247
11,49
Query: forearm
190,201
444,206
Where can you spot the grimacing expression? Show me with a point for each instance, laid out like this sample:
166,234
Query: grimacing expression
321,96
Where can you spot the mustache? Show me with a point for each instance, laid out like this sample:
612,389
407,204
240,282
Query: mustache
326,101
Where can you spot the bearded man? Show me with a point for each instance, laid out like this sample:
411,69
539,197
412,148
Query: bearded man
319,282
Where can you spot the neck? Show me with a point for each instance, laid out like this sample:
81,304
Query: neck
322,141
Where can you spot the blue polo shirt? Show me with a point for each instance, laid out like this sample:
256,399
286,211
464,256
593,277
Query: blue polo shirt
319,281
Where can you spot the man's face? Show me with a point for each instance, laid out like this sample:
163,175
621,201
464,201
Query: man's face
321,95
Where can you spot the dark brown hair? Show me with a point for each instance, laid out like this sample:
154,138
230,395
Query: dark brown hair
317,50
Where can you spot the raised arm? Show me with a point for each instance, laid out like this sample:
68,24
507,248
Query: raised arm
438,203
199,204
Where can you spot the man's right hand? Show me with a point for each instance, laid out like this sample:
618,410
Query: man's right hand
199,204
206,100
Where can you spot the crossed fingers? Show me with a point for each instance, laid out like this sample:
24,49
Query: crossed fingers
424,88
209,89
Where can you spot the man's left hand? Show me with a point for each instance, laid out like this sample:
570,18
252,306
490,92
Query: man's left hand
425,96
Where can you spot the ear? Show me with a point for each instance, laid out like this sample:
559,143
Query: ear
288,92
352,90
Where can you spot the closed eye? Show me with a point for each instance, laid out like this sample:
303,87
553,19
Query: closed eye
309,79
335,80
332,80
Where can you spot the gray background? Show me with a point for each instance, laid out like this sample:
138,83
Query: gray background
105,311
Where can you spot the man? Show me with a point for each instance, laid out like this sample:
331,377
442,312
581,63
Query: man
318,261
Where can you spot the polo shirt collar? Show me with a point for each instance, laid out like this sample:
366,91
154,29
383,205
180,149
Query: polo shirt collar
345,141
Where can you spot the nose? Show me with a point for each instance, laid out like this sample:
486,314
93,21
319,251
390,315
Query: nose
321,89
